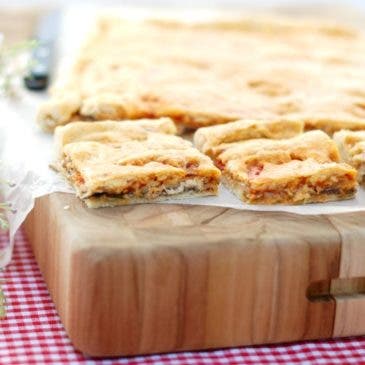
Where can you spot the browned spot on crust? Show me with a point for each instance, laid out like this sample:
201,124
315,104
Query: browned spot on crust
268,88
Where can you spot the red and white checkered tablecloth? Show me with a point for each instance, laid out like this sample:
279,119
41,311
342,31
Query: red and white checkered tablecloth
32,333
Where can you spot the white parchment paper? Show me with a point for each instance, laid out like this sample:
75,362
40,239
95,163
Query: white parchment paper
26,153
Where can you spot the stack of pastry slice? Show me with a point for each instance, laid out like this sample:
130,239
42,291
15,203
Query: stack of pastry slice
301,169
352,149
116,163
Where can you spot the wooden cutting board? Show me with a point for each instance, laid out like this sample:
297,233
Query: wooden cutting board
162,278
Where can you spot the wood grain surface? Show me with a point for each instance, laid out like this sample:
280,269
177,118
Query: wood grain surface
161,278
350,314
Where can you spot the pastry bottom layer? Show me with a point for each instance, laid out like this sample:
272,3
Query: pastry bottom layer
304,194
190,187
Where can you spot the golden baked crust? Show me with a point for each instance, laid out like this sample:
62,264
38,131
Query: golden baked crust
206,139
110,131
59,110
212,73
142,167
313,144
336,124
352,148
302,169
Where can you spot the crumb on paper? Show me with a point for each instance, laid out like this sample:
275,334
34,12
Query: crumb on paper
66,207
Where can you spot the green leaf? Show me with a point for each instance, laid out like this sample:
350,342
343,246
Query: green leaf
13,66
3,223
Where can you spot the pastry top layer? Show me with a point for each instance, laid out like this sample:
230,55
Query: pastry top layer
201,77
335,123
110,131
207,138
352,146
291,171
315,144
153,157
349,138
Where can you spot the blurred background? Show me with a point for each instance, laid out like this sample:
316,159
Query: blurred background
17,17
21,20
190,3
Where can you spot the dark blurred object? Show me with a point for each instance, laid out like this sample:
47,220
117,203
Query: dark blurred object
39,72
42,56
